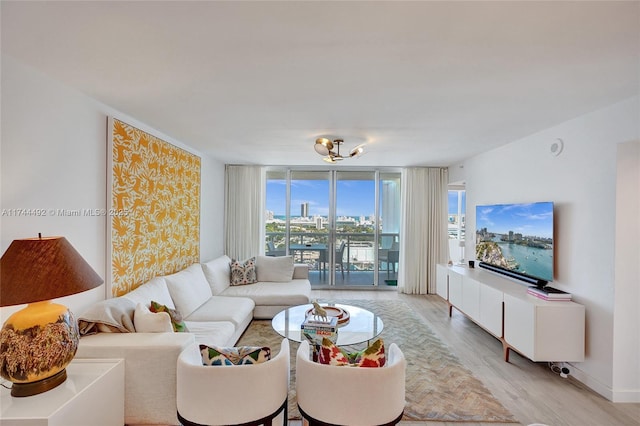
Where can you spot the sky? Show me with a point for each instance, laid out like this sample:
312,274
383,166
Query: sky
453,202
355,197
535,219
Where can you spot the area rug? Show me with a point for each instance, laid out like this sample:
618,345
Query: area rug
438,386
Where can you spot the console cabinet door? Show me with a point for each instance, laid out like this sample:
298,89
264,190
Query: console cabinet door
519,325
491,309
442,281
545,331
455,289
471,298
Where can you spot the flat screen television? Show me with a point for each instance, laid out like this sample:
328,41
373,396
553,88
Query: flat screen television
516,240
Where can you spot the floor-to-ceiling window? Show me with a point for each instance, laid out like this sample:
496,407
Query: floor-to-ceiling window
309,221
456,223
344,224
389,240
355,227
276,214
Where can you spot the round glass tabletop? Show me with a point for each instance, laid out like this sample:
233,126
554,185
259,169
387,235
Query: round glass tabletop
363,325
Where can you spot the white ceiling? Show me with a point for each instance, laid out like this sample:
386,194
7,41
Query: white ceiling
422,83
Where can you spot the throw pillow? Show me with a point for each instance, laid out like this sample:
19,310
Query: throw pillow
146,321
373,356
242,355
217,273
243,272
176,317
274,268
154,289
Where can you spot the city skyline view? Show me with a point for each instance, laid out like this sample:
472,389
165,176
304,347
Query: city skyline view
355,224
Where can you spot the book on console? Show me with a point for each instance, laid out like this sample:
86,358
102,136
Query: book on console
552,299
549,293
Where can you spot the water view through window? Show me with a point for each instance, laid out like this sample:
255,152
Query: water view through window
344,224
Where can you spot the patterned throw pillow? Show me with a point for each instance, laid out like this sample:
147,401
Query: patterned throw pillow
242,355
373,356
176,317
243,272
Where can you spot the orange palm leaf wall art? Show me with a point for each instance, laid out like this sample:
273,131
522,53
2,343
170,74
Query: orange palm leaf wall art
155,208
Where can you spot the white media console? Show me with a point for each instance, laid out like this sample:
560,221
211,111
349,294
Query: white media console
537,329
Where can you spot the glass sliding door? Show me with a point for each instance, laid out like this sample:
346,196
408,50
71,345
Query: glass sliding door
389,237
355,229
344,224
310,222
276,213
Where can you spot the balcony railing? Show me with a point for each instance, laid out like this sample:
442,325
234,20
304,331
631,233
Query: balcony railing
359,254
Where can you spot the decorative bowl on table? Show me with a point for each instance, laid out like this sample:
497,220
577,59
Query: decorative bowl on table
333,311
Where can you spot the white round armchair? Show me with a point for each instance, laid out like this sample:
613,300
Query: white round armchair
356,396
232,395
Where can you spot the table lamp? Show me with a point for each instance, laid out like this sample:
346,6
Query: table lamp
39,341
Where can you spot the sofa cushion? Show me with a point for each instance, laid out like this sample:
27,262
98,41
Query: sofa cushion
146,321
154,289
241,355
217,272
189,289
301,271
177,321
270,293
274,268
212,333
218,308
243,273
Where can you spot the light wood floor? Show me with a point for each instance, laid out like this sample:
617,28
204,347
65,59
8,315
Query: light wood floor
531,391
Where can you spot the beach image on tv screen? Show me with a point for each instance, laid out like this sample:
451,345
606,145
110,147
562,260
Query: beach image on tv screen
516,237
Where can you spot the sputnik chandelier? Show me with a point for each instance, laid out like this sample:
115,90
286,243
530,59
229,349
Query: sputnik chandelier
324,147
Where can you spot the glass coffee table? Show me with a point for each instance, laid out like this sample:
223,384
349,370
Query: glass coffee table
362,326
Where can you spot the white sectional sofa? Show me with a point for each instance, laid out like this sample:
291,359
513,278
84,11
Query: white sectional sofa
214,312
269,295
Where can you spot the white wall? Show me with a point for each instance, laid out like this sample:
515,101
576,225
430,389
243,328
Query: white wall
581,181
53,156
212,208
626,319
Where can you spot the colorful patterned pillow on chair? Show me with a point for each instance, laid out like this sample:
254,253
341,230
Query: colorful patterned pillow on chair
243,272
176,317
242,355
373,356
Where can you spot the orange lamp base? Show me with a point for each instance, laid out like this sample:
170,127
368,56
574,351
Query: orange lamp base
36,344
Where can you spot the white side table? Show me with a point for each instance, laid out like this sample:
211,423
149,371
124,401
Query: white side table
93,394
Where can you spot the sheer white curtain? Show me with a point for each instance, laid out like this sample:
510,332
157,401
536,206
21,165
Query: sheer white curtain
423,235
244,210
